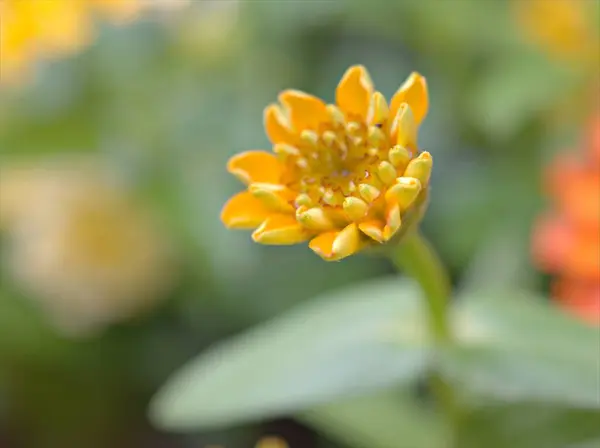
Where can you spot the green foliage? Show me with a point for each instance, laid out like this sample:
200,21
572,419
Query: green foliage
516,347
528,425
510,347
343,344
386,419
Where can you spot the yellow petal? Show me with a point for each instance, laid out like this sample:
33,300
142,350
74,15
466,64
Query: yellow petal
314,218
379,111
333,198
355,208
393,221
255,166
310,138
399,156
353,93
244,211
420,168
414,93
404,128
275,197
303,199
386,172
333,246
306,111
284,150
322,245
368,192
281,230
277,126
375,136
373,229
404,192
347,241
336,116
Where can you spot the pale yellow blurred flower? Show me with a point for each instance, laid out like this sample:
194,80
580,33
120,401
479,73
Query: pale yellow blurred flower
81,247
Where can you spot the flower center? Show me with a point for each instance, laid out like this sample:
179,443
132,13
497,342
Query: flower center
341,160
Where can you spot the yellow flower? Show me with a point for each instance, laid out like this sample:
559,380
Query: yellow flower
566,29
343,176
210,30
36,29
271,442
81,247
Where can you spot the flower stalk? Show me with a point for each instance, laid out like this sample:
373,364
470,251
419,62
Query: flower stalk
417,258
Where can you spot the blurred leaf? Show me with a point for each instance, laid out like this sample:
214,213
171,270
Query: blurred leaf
515,89
285,18
379,421
517,347
594,443
24,333
465,26
501,260
527,425
335,346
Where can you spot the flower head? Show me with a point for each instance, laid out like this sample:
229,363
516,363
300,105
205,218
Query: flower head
342,175
81,247
567,241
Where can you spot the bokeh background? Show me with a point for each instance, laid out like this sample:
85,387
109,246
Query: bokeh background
115,267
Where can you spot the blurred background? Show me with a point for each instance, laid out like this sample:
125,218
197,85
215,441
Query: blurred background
118,116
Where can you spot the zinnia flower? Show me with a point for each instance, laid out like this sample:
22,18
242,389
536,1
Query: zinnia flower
342,176
567,240
81,247
36,29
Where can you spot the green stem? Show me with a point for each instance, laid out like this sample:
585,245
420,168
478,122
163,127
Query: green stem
415,256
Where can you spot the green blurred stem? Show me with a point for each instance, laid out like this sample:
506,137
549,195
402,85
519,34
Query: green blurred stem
417,258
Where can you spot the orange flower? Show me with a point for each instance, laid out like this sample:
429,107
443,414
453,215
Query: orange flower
567,242
343,176
580,298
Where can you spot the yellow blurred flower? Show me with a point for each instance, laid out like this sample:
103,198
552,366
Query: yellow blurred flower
81,247
37,29
271,442
264,442
565,29
343,176
210,30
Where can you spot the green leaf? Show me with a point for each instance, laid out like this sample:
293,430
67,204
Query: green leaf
387,419
527,425
25,335
516,88
347,343
518,347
